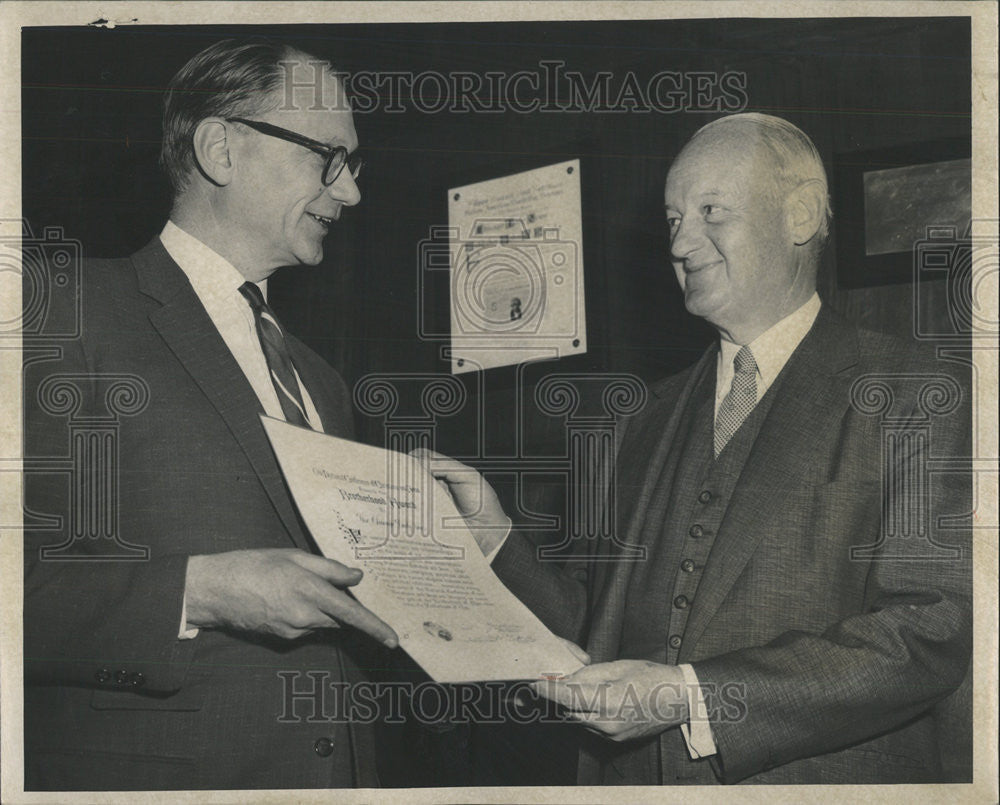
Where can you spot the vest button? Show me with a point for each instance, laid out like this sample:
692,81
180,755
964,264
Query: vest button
687,566
121,678
675,641
696,531
705,496
323,747
103,675
681,602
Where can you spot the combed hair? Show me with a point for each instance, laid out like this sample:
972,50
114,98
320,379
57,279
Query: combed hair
795,156
230,78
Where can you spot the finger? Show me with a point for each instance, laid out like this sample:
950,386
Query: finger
438,461
602,673
330,570
443,467
595,722
601,728
545,689
340,605
423,456
577,652
426,454
292,632
451,476
568,696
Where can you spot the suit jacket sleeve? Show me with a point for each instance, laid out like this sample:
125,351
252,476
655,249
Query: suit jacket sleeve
805,694
86,618
561,595
555,593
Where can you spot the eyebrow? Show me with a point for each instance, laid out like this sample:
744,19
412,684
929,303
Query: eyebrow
714,193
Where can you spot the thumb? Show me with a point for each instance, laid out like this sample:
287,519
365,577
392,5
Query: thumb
577,652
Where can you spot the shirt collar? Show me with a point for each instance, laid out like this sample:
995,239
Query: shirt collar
772,348
211,275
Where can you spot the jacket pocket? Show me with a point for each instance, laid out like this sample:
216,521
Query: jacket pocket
185,700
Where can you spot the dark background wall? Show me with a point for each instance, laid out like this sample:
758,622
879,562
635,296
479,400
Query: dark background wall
91,132
91,122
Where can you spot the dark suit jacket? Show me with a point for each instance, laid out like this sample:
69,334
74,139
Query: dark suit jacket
113,699
825,667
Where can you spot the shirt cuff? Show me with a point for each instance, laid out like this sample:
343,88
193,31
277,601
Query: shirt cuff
184,633
697,731
492,554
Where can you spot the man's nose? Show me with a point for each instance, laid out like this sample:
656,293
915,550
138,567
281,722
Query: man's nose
345,189
685,239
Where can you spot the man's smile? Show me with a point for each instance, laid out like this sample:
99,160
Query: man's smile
321,220
689,269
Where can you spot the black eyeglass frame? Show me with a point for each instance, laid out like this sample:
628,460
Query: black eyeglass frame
336,156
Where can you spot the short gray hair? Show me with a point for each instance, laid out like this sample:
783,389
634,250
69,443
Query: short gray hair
796,158
230,78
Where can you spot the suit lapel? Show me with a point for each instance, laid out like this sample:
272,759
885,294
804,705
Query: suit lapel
189,333
811,394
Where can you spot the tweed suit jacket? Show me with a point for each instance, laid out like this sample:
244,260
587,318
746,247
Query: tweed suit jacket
820,665
113,699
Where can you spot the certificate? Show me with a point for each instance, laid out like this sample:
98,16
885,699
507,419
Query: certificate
424,574
517,268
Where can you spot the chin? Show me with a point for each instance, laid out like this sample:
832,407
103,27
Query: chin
699,304
312,258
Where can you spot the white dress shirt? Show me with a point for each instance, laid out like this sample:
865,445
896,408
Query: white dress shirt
216,282
771,351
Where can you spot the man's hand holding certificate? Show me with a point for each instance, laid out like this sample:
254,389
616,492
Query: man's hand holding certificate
424,573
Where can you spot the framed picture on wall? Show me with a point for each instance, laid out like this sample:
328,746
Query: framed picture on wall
888,201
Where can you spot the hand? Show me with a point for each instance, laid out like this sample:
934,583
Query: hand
621,700
280,591
474,498
576,651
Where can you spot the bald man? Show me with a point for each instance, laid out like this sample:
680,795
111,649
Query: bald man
789,624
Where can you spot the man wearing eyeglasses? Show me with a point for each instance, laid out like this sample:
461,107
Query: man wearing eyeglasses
221,659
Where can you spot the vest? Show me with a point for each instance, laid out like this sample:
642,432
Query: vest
664,590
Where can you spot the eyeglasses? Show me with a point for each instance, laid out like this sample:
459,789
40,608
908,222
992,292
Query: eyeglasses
336,156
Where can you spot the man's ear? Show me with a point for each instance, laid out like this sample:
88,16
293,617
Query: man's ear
212,141
806,210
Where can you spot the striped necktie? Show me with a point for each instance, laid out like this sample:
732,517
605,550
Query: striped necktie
740,400
279,362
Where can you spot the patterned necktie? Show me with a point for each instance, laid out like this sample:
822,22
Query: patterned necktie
740,400
279,362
